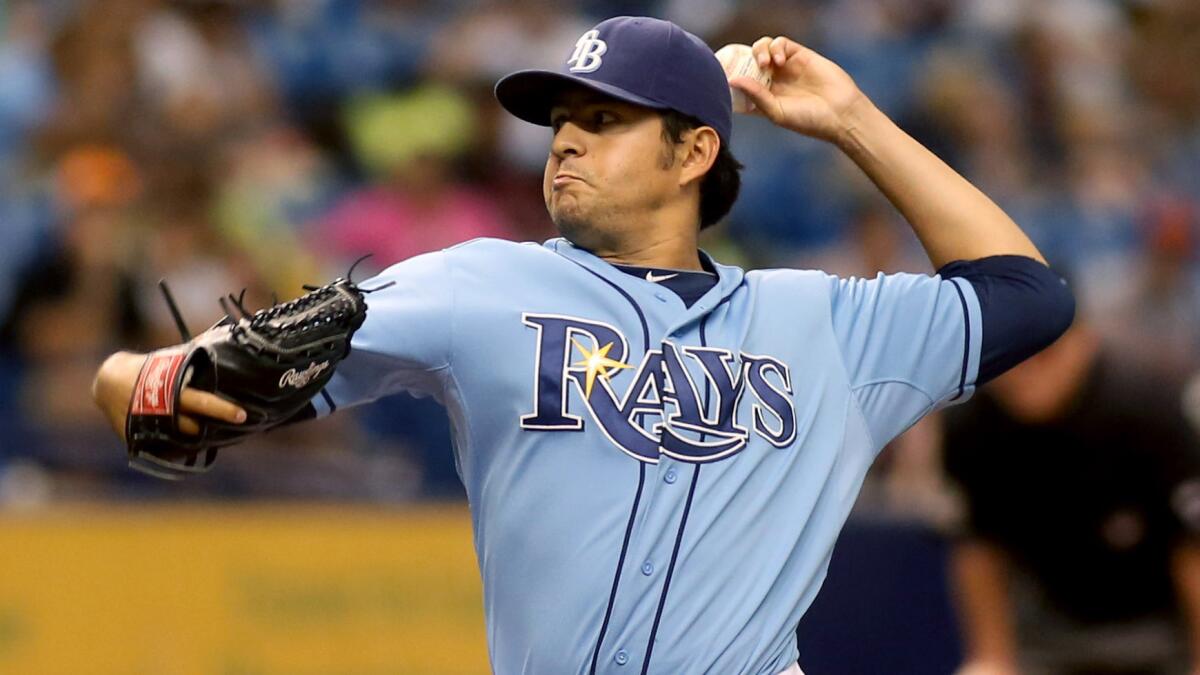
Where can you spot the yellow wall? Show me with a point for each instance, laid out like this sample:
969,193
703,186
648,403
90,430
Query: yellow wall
290,590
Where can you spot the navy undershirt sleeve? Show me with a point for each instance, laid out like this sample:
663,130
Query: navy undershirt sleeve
1024,306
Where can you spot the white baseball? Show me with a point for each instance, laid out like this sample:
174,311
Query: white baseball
738,61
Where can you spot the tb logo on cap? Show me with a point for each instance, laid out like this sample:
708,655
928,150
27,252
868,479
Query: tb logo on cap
588,51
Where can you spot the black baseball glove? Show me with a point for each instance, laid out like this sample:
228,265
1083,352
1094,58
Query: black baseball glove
271,363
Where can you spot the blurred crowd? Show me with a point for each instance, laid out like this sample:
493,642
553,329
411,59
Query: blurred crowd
258,144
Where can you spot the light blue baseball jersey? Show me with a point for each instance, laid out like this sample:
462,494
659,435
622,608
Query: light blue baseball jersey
656,488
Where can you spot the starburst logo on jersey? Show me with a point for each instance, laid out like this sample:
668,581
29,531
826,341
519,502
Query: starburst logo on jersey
681,401
597,363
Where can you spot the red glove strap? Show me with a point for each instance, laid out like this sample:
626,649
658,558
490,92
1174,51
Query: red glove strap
154,393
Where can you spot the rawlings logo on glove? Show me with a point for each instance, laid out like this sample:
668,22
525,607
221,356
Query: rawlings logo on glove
292,378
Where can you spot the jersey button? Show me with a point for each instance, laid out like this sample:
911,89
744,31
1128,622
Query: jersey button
669,476
621,658
647,568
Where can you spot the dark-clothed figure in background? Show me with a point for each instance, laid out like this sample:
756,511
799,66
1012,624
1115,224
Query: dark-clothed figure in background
1081,482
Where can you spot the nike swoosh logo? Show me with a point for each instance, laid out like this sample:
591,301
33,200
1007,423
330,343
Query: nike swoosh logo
654,279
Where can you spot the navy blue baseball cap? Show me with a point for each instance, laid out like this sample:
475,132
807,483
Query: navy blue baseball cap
637,59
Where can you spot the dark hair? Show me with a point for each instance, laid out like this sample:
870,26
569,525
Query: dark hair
720,186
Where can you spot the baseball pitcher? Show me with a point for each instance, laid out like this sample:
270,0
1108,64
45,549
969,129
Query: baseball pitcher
659,450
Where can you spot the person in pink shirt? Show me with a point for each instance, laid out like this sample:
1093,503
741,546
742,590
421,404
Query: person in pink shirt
416,204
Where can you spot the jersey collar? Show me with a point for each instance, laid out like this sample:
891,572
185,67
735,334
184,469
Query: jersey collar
729,277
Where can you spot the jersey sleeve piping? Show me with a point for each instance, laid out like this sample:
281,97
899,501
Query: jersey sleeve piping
962,381
972,338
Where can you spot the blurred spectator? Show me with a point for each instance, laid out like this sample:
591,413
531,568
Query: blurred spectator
876,240
884,42
408,143
494,38
177,243
968,110
28,90
322,51
93,58
195,68
1081,479
78,305
269,185
1152,313
491,39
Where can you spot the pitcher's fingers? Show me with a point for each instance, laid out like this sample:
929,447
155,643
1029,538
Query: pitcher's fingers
761,50
779,50
210,405
762,98
188,425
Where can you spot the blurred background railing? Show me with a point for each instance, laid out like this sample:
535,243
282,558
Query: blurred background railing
224,144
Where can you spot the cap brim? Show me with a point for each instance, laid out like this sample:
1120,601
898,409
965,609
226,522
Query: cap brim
530,94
